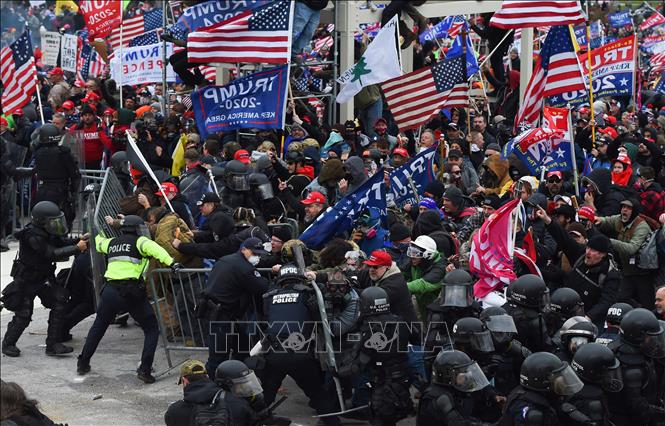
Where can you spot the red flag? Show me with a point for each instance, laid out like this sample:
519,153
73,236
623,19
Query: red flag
529,245
653,20
526,14
557,118
101,16
492,251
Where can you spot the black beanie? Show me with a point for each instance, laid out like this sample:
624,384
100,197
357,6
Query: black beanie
435,188
281,232
599,242
398,232
455,195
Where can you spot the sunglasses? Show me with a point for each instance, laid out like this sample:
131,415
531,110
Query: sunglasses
374,266
553,180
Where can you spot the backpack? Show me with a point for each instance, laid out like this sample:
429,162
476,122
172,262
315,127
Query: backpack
216,413
647,254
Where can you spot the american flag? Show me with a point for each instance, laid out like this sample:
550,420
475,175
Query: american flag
90,63
456,26
325,41
531,14
135,27
145,39
261,34
657,62
413,98
557,71
18,72
209,73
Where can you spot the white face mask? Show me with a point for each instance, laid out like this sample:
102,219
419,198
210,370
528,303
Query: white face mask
254,260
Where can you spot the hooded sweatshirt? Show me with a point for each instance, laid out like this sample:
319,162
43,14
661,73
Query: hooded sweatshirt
623,178
500,168
356,168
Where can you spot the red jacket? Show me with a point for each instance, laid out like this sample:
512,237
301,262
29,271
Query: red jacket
94,139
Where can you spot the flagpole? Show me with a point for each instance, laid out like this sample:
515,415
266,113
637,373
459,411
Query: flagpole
588,43
468,91
121,70
164,62
494,50
572,152
637,85
39,97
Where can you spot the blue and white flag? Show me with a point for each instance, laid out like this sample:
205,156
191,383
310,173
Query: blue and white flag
660,86
449,27
337,219
256,101
620,19
541,148
421,171
471,59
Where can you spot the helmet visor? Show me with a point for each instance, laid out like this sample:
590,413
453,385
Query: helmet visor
143,230
653,345
565,381
612,379
501,324
246,386
456,295
238,183
415,252
482,342
469,378
576,342
545,301
57,225
265,191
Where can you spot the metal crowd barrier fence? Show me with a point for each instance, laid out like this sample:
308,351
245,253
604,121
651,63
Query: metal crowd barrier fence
174,298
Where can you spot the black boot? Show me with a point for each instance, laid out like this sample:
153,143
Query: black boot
145,376
56,328
10,350
14,330
82,366
58,349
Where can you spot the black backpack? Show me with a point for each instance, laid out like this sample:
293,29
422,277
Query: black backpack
214,414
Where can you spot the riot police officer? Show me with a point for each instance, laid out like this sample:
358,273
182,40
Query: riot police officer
290,339
41,244
57,172
125,291
455,302
236,186
120,166
564,303
612,321
640,346
544,378
600,372
575,332
447,401
528,298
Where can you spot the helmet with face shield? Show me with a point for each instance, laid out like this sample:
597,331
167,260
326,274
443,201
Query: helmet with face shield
566,302
529,291
545,372
500,325
423,247
235,377
457,370
595,363
134,225
236,176
261,186
471,334
641,328
48,216
457,289
576,332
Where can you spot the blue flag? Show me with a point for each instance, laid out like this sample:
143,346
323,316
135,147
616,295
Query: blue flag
620,19
421,171
256,101
441,29
336,220
660,86
471,60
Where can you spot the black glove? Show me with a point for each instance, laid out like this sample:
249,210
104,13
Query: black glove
176,267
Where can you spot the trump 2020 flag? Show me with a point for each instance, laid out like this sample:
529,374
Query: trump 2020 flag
379,63
419,171
492,249
471,59
256,101
541,148
339,218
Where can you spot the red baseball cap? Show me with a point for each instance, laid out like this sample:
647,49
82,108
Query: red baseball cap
242,155
314,197
583,110
557,174
401,152
379,258
3,121
109,111
587,212
68,105
56,71
168,188
611,119
90,97
18,111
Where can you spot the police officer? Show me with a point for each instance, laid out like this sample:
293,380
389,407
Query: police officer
544,378
640,346
448,401
120,166
455,301
613,319
382,351
57,171
236,186
125,291
291,310
575,333
564,303
600,372
41,244
528,297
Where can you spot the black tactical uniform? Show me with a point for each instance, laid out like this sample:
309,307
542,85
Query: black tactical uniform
528,297
612,321
57,171
41,245
640,346
565,303
9,172
291,310
575,332
544,378
236,186
448,401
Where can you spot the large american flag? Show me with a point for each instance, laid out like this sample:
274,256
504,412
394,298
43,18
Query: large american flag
261,34
526,14
135,27
657,62
415,97
557,71
18,72
456,26
90,63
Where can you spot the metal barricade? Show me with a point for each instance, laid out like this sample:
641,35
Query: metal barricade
110,193
95,177
21,202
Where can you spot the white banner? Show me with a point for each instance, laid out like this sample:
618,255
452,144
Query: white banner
68,52
142,64
50,48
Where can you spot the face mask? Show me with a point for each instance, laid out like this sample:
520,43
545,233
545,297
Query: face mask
254,260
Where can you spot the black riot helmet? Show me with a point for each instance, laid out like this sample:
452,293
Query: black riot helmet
235,175
566,302
576,332
374,300
473,334
289,273
261,186
48,216
641,328
457,370
457,289
499,323
234,376
616,312
545,372
134,225
596,364
49,134
119,162
529,291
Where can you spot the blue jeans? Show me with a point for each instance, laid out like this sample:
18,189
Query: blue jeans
369,115
305,21
417,372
